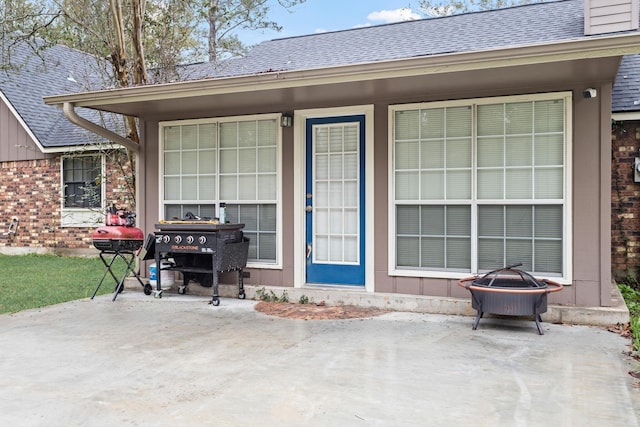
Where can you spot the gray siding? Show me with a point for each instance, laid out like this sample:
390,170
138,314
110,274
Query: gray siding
15,143
591,149
609,16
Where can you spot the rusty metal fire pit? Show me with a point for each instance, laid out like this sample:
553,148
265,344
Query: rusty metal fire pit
510,292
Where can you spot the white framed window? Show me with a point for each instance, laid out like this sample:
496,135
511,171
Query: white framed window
480,184
231,160
83,192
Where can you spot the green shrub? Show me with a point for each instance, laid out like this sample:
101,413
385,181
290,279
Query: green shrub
270,296
635,331
632,299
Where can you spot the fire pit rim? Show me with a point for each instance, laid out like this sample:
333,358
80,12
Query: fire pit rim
551,286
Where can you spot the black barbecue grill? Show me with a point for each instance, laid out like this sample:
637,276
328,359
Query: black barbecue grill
200,251
510,292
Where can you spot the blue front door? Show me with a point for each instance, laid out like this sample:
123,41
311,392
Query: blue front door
335,200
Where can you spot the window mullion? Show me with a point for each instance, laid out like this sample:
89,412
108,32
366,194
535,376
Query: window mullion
474,189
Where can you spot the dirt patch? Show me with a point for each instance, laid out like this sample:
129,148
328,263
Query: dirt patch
316,311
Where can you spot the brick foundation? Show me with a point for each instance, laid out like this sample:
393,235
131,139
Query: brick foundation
30,191
625,200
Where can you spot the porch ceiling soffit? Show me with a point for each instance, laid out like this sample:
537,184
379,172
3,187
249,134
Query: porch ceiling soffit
530,65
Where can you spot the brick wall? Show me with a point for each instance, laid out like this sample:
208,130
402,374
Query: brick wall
625,200
31,191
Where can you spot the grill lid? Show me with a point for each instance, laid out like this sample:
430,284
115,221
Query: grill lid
117,238
508,277
115,232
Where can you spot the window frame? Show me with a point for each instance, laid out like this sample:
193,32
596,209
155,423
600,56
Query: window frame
77,216
278,200
474,201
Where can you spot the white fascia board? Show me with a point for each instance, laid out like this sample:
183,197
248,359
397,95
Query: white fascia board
621,117
598,47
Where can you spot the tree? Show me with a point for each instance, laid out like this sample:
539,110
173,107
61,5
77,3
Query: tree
104,25
135,34
170,38
224,17
20,22
454,7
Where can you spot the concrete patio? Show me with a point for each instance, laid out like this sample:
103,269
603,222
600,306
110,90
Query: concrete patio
178,361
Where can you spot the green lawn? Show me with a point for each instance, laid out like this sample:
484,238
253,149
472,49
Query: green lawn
31,281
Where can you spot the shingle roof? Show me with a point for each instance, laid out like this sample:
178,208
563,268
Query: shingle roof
531,24
626,89
517,26
498,29
54,70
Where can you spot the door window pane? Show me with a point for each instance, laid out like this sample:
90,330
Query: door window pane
336,189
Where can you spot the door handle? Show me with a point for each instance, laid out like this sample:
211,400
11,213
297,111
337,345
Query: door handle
309,208
308,251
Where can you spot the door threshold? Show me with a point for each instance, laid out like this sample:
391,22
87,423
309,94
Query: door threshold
320,286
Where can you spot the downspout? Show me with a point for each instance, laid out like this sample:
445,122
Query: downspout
73,117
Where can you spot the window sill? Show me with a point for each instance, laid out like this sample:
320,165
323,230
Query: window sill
81,218
448,275
263,266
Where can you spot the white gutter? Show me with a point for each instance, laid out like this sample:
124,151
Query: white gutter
598,47
73,117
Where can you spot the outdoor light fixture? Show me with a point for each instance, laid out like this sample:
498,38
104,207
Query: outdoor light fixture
286,120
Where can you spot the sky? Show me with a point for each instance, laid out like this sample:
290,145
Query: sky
315,16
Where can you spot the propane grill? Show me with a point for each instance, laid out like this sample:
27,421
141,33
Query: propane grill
119,239
200,251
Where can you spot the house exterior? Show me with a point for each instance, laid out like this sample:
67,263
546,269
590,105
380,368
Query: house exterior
54,184
625,184
403,157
